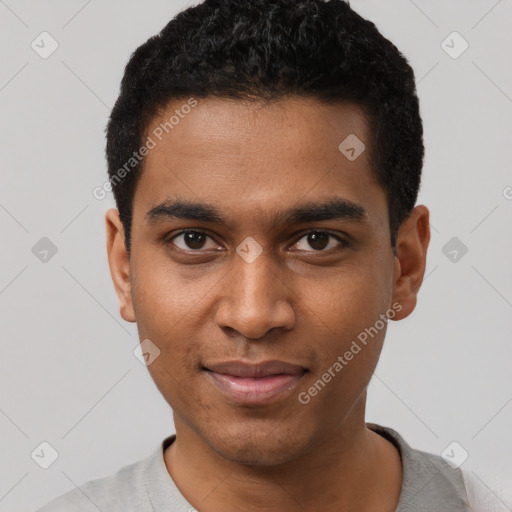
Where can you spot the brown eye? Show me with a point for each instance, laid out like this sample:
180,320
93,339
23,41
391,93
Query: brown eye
320,240
193,241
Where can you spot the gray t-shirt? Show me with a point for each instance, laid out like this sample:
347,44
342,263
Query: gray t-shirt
429,485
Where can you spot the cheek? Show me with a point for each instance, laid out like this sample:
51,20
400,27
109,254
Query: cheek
162,297
348,300
347,324
165,311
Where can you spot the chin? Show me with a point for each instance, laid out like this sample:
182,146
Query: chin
261,449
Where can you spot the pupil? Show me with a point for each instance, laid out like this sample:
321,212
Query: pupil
318,240
194,240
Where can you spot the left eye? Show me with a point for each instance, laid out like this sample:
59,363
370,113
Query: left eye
192,240
321,240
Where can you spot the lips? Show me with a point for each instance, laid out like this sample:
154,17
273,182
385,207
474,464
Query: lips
265,369
252,384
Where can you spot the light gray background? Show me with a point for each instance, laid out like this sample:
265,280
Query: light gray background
68,374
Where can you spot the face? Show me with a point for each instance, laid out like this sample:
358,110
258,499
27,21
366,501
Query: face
260,259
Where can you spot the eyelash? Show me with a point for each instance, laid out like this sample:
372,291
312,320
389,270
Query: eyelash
343,242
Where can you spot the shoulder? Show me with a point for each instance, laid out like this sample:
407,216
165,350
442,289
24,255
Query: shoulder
119,492
431,483
428,482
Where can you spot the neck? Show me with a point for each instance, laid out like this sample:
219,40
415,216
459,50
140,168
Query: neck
355,469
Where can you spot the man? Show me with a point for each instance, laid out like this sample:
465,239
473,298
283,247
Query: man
265,157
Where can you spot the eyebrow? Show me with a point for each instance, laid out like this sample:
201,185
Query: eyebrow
331,209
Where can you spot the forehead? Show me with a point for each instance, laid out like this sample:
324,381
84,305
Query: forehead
253,159
224,125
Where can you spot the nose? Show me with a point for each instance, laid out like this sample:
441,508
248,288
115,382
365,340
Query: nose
254,299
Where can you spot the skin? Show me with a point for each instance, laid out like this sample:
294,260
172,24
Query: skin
295,303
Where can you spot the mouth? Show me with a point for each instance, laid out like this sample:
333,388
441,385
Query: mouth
254,384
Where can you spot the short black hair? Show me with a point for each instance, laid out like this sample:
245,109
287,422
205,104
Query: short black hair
269,50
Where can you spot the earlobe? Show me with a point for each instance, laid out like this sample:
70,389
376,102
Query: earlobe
119,263
410,260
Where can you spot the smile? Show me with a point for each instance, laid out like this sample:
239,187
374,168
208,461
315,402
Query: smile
254,384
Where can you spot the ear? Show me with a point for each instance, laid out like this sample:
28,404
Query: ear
410,259
119,263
